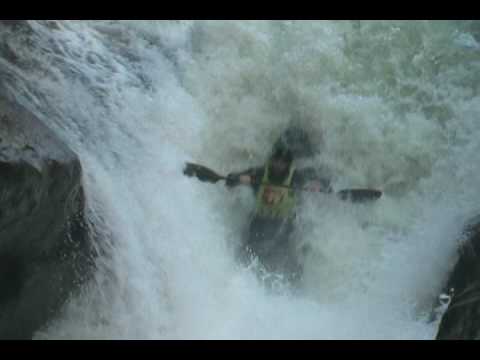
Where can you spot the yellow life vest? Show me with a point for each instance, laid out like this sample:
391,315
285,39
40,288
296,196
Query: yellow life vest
276,201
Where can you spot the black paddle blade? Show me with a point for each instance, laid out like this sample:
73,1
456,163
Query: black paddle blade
359,195
202,173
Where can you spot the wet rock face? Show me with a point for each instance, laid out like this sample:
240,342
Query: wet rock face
462,317
45,250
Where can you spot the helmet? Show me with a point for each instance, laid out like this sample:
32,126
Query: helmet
297,140
282,152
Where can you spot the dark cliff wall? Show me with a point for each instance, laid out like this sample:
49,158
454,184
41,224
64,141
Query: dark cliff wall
462,317
45,249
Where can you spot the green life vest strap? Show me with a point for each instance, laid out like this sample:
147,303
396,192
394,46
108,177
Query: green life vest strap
276,201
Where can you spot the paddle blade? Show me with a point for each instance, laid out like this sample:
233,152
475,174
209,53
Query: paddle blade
202,173
359,195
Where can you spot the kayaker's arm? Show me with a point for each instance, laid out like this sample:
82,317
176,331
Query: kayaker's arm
310,179
247,177
234,180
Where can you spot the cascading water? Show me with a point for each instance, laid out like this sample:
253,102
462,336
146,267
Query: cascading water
391,104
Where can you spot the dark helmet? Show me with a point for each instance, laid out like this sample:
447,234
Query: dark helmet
297,140
282,152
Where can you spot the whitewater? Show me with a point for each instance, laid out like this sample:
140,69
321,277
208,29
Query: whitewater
392,105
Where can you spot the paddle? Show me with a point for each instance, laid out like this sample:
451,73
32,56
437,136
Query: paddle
208,175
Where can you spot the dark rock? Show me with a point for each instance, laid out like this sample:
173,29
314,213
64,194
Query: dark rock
8,53
462,317
16,35
17,25
45,248
52,25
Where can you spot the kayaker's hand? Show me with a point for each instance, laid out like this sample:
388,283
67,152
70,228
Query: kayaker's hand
314,186
232,180
245,179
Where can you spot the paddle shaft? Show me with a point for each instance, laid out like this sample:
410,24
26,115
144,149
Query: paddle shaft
344,194
205,174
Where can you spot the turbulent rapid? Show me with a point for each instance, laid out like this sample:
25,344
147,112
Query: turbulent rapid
392,105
